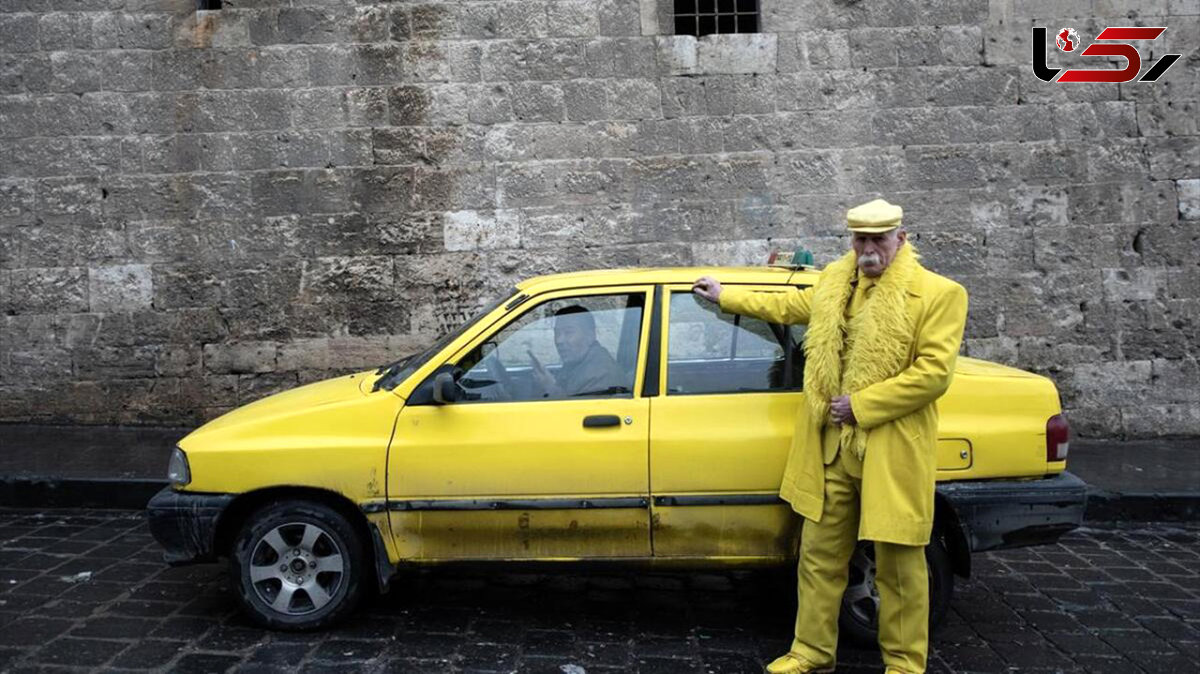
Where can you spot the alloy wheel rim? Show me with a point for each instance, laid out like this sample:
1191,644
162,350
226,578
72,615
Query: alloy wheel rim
862,597
296,568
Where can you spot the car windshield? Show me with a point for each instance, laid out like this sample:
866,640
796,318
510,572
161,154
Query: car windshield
397,371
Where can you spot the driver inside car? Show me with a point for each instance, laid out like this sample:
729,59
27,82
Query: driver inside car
587,367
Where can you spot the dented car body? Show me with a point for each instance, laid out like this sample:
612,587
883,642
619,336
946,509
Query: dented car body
459,453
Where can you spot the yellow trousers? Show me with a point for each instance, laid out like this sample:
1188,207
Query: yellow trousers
901,578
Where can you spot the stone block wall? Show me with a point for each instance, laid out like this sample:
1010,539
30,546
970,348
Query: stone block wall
200,208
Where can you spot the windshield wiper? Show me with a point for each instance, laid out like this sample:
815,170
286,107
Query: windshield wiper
388,371
393,366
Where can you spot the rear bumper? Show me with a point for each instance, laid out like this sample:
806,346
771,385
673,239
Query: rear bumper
996,514
184,524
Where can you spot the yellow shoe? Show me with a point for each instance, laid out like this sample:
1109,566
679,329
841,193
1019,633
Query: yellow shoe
792,663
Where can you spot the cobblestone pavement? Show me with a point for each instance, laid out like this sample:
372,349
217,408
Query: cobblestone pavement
86,590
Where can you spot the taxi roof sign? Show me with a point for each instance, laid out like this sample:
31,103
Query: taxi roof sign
796,259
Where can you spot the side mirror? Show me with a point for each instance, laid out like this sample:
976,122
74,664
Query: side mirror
445,390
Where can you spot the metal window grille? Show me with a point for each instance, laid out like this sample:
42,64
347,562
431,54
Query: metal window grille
705,17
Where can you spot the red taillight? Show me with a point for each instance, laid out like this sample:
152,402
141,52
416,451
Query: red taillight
1057,436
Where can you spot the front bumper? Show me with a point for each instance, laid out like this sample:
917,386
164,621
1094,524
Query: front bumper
996,514
185,523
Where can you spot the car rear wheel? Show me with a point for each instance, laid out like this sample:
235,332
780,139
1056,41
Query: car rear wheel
859,620
298,565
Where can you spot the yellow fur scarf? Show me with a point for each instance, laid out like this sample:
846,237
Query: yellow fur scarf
877,338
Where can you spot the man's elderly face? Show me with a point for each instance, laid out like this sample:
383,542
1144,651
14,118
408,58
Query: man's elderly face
573,335
876,251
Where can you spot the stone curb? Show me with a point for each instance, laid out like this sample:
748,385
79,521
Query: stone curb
52,492
49,492
1109,506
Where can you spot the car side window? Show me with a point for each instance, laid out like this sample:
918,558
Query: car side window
709,351
567,347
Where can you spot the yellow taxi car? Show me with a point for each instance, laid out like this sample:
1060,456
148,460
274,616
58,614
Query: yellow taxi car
602,415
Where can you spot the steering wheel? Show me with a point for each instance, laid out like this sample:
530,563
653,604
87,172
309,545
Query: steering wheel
497,371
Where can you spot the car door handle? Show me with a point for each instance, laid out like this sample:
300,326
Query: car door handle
599,420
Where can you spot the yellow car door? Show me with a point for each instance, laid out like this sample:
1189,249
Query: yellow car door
544,453
721,431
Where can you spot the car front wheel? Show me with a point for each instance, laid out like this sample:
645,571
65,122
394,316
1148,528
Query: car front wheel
859,620
298,565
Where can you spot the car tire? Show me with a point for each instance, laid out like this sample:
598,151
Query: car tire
298,565
858,622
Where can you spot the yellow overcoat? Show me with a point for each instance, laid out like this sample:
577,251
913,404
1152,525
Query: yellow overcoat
899,413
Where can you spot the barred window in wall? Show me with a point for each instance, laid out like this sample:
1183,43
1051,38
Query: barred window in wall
705,17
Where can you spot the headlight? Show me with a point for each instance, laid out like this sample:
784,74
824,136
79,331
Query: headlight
178,472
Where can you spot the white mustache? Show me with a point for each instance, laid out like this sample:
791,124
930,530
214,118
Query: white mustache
869,258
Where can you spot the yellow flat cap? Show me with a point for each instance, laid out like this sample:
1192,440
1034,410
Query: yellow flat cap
874,216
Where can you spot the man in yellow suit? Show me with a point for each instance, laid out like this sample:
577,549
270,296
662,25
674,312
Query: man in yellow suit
883,335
